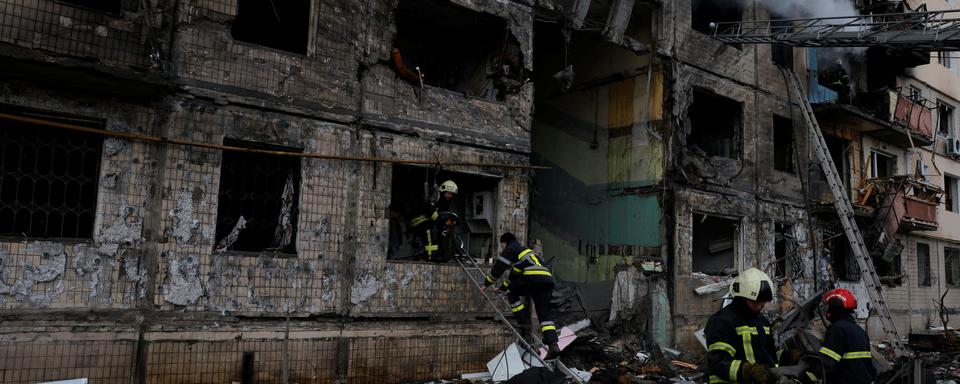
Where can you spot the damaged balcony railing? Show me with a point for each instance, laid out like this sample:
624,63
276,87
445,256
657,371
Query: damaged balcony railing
927,30
903,204
913,113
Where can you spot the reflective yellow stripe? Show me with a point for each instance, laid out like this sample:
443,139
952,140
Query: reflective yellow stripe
548,328
831,353
721,346
517,270
535,272
777,364
717,380
857,355
747,333
435,215
766,330
518,308
812,377
524,253
506,283
418,220
734,368
490,279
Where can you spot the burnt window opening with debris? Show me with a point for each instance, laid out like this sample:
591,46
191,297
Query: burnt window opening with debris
283,25
882,164
715,124
924,278
945,119
258,199
112,7
951,266
48,177
705,12
839,149
950,192
455,48
715,243
887,263
783,145
784,248
842,261
413,200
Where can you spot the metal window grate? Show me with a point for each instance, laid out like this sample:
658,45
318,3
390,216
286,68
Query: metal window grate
48,181
264,191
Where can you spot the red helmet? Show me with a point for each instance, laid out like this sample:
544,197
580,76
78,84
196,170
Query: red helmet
841,298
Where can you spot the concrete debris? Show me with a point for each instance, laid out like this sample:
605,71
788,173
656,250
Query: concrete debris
231,237
365,286
714,287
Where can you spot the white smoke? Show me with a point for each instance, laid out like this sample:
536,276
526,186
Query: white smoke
795,9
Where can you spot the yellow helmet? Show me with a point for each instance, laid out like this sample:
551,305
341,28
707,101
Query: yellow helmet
753,284
448,186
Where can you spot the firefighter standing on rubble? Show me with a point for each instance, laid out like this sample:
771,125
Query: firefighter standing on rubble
845,351
740,344
528,278
429,225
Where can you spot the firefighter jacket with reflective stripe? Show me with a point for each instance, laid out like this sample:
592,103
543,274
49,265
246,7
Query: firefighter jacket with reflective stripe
735,336
523,264
845,354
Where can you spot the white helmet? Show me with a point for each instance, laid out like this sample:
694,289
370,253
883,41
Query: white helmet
448,186
753,284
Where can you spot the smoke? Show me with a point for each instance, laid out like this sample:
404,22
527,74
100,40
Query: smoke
794,9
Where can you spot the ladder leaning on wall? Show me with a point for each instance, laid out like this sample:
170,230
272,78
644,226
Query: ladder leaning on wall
845,210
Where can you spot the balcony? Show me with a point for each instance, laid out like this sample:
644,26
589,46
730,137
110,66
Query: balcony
903,204
889,116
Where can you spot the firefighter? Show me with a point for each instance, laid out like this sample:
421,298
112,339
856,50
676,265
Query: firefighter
740,345
845,351
427,228
528,278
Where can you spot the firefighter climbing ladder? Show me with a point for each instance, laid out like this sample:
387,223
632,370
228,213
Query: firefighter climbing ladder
476,275
845,211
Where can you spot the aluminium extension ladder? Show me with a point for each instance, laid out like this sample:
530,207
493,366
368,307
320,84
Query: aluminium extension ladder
845,210
477,275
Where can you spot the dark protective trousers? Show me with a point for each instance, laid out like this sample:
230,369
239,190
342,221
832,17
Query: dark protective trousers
540,293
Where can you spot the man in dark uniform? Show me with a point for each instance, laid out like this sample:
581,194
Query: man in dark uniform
528,278
740,343
845,352
428,226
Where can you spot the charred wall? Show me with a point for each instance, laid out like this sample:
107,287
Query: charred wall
151,287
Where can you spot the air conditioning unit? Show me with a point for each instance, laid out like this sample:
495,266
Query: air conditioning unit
953,146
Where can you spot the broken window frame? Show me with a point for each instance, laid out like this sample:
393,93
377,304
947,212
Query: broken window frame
696,26
247,178
79,148
785,124
924,267
784,249
892,169
699,217
736,139
951,266
488,69
945,109
309,50
943,57
951,195
463,204
916,94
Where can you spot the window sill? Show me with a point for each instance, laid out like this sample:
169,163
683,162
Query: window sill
272,254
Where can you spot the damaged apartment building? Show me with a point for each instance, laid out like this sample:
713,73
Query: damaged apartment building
219,190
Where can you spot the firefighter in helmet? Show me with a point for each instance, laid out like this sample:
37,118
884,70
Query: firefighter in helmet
430,227
740,343
845,351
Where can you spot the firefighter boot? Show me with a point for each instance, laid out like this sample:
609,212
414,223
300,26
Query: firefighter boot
553,351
